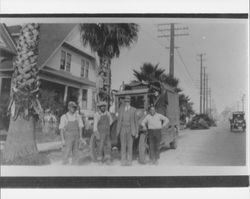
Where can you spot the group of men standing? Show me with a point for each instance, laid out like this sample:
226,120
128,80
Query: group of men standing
127,130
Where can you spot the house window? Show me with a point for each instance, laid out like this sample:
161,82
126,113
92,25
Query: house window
82,67
84,98
68,62
63,59
87,69
93,100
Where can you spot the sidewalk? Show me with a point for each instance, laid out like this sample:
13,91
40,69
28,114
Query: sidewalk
42,147
48,146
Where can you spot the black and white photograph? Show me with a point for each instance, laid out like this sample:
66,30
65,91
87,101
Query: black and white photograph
124,96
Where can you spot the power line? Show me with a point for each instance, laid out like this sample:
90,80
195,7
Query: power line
187,77
185,66
172,34
159,43
183,28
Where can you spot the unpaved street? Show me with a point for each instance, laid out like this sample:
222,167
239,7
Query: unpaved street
216,146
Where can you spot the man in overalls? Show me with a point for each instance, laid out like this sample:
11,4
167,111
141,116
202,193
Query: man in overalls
102,122
70,128
127,128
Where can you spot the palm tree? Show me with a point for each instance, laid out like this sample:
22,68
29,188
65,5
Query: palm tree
168,79
186,106
148,73
107,39
24,104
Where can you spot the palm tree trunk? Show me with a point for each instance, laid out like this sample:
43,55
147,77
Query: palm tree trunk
20,142
105,92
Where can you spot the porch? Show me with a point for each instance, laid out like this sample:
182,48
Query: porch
69,87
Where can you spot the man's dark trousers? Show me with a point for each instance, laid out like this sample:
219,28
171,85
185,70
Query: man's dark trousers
154,136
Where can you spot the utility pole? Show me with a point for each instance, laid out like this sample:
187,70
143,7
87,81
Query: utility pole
172,36
201,71
207,94
171,55
238,105
204,91
210,102
243,102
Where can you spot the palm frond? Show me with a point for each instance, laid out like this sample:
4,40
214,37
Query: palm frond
107,39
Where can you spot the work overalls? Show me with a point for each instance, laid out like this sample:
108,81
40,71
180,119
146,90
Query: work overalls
72,136
103,127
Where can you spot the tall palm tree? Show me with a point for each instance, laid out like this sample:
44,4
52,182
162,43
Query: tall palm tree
24,102
107,39
168,79
186,106
148,73
151,73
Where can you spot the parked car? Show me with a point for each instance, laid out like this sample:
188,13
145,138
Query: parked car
238,122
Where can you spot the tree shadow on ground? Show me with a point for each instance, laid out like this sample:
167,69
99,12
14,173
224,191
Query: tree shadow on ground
29,160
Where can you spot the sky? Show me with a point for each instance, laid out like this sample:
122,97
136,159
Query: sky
224,42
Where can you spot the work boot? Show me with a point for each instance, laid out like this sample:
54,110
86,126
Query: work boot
129,163
108,162
123,163
151,162
156,162
65,162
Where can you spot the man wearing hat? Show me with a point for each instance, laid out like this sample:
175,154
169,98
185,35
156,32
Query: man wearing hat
102,122
70,128
127,128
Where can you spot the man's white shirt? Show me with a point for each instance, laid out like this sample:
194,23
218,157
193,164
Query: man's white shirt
70,117
156,121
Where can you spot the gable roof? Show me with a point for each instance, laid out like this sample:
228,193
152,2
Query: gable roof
7,44
14,29
51,37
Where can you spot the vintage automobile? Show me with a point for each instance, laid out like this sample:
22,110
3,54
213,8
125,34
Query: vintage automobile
238,122
142,95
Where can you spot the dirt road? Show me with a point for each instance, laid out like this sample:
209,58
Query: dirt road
216,146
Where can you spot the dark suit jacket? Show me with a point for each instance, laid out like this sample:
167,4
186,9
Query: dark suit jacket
133,120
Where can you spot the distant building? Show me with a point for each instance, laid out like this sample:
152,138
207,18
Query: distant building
65,66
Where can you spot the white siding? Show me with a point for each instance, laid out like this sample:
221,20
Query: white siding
89,99
75,68
75,39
